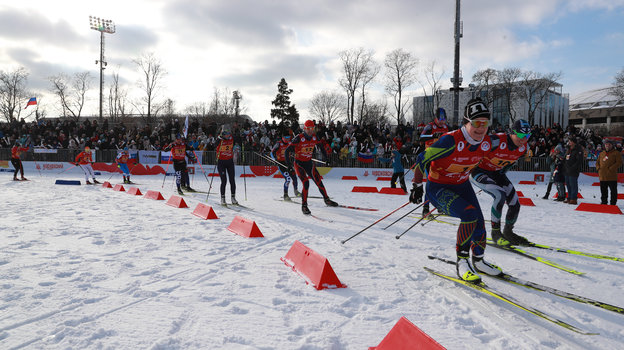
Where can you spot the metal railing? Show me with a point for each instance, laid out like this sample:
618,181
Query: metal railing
537,164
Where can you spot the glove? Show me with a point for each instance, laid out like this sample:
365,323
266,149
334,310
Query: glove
291,171
416,193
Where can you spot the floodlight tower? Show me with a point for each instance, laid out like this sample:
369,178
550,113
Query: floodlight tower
237,96
457,79
102,26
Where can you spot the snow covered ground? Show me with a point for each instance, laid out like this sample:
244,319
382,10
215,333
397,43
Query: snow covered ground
86,267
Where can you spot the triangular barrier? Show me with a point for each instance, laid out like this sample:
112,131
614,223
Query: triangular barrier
390,190
347,177
364,189
154,195
177,202
247,175
599,208
244,227
119,187
384,178
312,266
204,211
135,191
107,184
527,183
579,195
406,336
67,182
527,202
520,194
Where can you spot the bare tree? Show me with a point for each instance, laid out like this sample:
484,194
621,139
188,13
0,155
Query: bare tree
327,106
400,74
618,84
375,113
117,99
355,63
507,81
222,103
153,73
71,92
13,93
368,76
197,109
484,81
534,88
432,86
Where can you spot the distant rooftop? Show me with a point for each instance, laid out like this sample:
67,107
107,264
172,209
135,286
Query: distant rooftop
599,98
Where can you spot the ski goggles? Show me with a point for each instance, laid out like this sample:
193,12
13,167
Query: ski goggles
479,123
523,135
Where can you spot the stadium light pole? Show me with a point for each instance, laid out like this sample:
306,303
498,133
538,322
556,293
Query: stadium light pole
102,26
457,79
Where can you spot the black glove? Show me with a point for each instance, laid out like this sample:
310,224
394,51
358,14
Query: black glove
416,193
290,171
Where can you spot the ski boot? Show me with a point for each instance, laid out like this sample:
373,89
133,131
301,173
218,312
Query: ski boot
88,182
330,203
513,238
23,179
305,210
497,236
425,211
234,201
223,203
465,271
286,197
485,267
95,181
15,179
180,192
297,193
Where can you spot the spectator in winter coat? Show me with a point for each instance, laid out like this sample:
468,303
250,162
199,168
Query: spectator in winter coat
607,165
573,162
398,171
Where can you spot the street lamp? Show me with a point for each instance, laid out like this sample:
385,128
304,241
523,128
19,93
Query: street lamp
102,26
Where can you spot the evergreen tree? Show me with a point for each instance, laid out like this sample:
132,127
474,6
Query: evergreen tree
283,110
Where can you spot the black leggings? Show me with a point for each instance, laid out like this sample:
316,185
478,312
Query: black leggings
305,169
226,169
17,164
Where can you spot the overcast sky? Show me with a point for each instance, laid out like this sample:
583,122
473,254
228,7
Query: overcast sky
250,45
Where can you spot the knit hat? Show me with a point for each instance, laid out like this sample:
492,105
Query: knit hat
476,108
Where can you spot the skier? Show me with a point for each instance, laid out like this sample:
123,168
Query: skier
84,160
430,134
303,146
278,152
16,151
491,177
398,172
450,160
179,154
225,164
122,163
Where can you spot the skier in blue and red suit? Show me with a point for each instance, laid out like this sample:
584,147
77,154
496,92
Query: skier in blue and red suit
278,152
450,160
491,177
122,163
303,146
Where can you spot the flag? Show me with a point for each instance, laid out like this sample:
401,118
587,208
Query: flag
185,130
31,102
365,158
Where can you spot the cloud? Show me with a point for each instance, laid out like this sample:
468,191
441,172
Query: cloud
33,26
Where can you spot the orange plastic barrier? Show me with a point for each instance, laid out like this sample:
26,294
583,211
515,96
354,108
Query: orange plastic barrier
364,189
135,191
527,202
177,202
599,208
244,227
406,336
390,190
312,266
204,211
119,187
107,184
347,177
154,195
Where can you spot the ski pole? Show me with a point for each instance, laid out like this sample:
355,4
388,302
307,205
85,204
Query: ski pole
68,169
244,174
167,168
213,170
371,225
434,216
416,223
318,161
270,159
200,166
409,212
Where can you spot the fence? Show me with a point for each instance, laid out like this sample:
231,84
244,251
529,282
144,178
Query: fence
252,158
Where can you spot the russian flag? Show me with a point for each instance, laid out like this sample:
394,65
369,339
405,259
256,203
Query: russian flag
365,158
31,102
